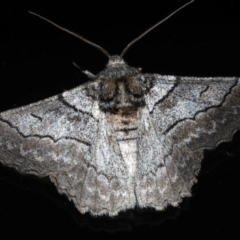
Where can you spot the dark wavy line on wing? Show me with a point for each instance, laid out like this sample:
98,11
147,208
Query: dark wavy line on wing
44,136
67,104
166,96
203,110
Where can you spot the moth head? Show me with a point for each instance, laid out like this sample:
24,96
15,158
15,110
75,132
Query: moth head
119,87
117,69
115,60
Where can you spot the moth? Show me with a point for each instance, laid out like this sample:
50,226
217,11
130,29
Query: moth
125,138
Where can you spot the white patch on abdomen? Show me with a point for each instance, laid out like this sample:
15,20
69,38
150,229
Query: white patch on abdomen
129,153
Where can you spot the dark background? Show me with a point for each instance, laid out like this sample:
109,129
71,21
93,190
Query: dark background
36,62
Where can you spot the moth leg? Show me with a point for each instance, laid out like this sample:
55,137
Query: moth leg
89,74
86,72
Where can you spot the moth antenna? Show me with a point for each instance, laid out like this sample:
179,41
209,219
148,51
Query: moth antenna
74,34
151,28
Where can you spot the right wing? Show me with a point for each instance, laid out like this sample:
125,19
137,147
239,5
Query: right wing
183,116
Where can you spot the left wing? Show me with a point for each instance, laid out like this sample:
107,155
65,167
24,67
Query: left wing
37,138
69,140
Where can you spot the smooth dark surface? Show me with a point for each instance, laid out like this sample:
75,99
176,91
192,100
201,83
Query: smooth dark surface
36,62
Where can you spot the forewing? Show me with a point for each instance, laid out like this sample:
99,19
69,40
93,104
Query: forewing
186,117
67,138
53,137
47,136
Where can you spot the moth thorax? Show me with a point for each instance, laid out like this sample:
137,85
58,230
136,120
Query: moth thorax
124,94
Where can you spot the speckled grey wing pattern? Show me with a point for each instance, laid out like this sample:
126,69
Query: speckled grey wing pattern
183,116
66,138
106,162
